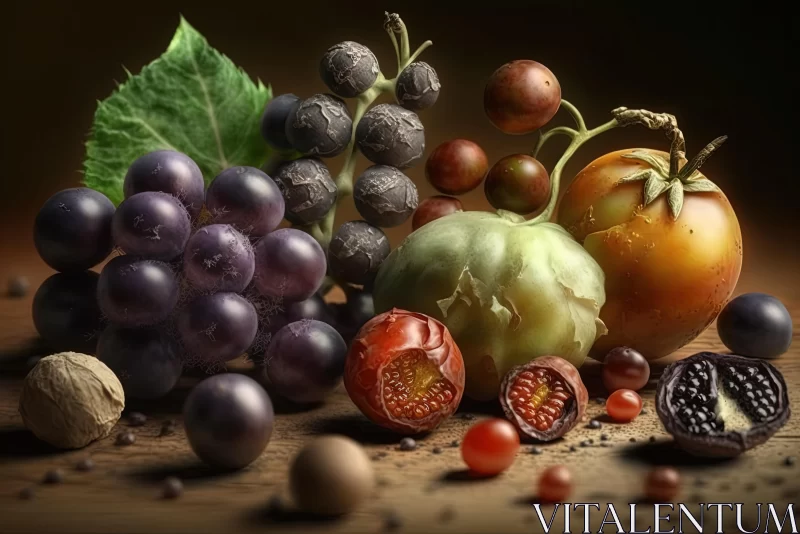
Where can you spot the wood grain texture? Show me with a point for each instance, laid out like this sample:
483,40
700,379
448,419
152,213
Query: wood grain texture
429,491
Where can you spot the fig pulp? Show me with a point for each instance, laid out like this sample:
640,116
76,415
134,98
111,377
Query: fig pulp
544,398
720,405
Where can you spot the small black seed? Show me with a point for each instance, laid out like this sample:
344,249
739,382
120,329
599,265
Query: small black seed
408,444
605,444
536,450
27,494
584,443
54,476
789,461
447,514
572,448
591,441
603,437
594,423
137,419
167,428
437,450
454,443
126,438
652,439
468,416
173,488
393,522
632,440
87,464
644,411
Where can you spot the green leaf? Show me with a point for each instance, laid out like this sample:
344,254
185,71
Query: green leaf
658,162
192,99
701,186
645,174
675,199
653,187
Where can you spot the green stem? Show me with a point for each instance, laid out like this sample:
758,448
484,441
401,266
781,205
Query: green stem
575,115
561,130
555,178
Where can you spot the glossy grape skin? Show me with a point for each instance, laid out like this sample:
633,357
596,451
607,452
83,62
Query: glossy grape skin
169,172
756,325
151,225
521,97
137,292
290,265
624,405
229,420
625,368
273,121
72,231
217,328
359,307
219,258
490,446
433,208
517,183
247,199
66,314
305,361
313,307
555,484
456,167
146,360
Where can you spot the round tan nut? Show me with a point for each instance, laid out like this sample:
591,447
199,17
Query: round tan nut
331,476
71,399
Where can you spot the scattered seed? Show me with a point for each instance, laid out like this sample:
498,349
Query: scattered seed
632,440
393,522
594,423
536,450
652,439
126,438
167,428
447,514
644,411
454,443
87,464
137,419
54,476
584,443
591,441
789,461
603,437
408,444
600,400
18,286
376,457
383,483
605,444
26,494
750,487
468,416
275,505
173,488
437,450
572,448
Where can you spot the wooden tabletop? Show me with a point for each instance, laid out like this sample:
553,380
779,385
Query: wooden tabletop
426,490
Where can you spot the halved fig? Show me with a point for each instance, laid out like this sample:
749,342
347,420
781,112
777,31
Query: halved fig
545,398
405,372
720,405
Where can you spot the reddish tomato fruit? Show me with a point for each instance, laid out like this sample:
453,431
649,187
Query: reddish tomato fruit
624,405
667,277
662,485
433,208
521,97
517,183
456,167
555,484
405,372
625,368
490,446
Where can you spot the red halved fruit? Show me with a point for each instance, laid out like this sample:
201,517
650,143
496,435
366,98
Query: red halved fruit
545,398
405,372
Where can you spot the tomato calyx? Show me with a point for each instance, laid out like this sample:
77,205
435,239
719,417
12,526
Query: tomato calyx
670,177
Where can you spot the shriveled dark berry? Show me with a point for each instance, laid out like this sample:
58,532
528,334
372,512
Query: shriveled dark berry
126,438
172,488
594,423
417,86
137,419
87,464
54,476
320,125
357,251
349,69
308,189
408,444
384,196
391,135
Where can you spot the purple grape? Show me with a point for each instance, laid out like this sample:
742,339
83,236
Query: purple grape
66,314
313,307
137,292
359,308
756,325
305,361
246,198
290,265
217,328
229,420
146,360
219,258
273,122
169,172
152,225
72,231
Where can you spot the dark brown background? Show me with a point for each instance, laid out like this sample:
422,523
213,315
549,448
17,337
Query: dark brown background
722,69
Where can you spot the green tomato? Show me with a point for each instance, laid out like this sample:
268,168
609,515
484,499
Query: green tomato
508,291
